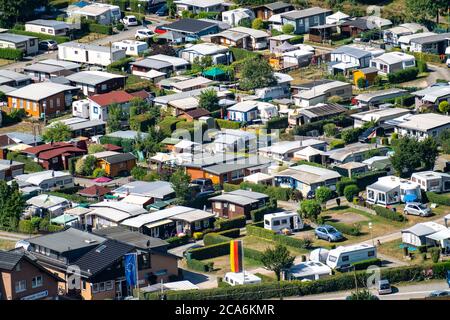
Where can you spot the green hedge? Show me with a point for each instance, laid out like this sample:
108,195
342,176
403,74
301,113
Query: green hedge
277,123
216,250
232,233
427,57
168,125
438,198
388,214
119,65
258,214
340,185
228,187
214,238
364,179
226,224
270,290
227,124
198,265
363,265
271,235
403,75
340,121
177,241
100,28
41,36
11,54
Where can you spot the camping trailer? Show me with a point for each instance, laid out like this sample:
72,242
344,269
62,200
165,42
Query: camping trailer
283,220
343,257
240,278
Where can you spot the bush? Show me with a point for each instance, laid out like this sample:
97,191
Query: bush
168,125
388,214
99,172
350,192
296,39
119,65
226,224
364,179
403,75
231,233
363,265
340,121
330,129
351,230
323,194
214,238
310,209
277,123
287,28
198,265
227,124
258,214
422,66
11,54
282,239
177,241
438,198
435,254
198,235
213,251
340,185
26,226
228,187
281,194
336,144
30,165
100,28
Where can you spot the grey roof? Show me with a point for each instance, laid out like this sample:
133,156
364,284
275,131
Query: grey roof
60,80
136,239
91,47
49,23
85,124
431,39
277,5
238,164
152,64
14,75
117,158
181,95
102,256
14,38
299,14
420,230
156,189
8,260
127,134
61,63
321,110
45,68
234,198
67,240
6,88
189,25
92,78
380,186
352,51
250,194
25,138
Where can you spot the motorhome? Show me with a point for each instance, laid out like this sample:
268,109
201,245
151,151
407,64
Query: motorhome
344,256
279,221
131,47
240,278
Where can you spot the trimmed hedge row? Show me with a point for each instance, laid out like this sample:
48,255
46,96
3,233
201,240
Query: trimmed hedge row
177,241
340,121
11,54
227,124
214,238
363,265
232,233
198,265
100,28
215,250
364,179
339,282
388,214
403,75
226,224
438,199
271,235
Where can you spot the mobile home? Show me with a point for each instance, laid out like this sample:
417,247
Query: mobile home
343,257
240,278
131,47
89,53
279,221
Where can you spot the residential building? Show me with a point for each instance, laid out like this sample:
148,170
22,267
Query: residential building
192,29
237,203
350,169
155,190
152,69
322,92
303,20
267,10
249,111
350,57
23,278
285,150
41,99
89,53
49,27
432,181
432,96
378,116
306,178
100,13
9,169
96,82
376,98
28,44
115,163
419,234
391,190
178,64
435,44
192,84
46,180
95,192
48,69
353,28
197,6
422,126
237,16
99,103
392,62
83,127
110,213
392,35
235,140
13,79
46,205
218,54
353,152
405,41
337,18
367,74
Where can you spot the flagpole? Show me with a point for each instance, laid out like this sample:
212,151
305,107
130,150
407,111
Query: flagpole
137,276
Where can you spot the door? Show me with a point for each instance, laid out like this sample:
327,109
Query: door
292,225
119,289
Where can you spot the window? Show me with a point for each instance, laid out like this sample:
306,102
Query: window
206,223
284,221
371,253
316,19
232,207
101,286
58,102
218,205
104,86
51,104
95,287
83,284
68,181
21,286
44,186
108,285
36,282
42,29
276,223
55,160
95,110
197,225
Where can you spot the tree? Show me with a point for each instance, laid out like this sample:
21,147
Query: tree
330,129
428,150
180,183
444,107
362,295
256,73
150,143
171,8
310,209
13,11
94,148
57,132
277,259
12,205
99,172
323,194
288,29
335,99
361,83
85,166
423,10
115,116
350,135
138,173
209,100
258,24
350,192
246,23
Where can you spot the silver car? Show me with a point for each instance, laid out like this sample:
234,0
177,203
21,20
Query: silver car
417,209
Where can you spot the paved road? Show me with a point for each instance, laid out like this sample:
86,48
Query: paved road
178,251
404,292
11,236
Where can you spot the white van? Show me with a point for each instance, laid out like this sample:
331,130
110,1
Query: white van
283,220
342,257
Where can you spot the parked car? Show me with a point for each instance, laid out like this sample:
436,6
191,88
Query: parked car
130,21
163,11
204,183
384,287
48,45
143,34
440,293
310,195
329,233
417,209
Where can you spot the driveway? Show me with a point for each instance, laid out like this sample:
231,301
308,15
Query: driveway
435,73
178,251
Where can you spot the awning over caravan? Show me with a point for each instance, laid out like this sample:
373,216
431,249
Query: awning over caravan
440,235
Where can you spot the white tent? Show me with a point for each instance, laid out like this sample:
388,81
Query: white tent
258,177
336,18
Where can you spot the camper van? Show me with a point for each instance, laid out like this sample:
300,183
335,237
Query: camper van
283,220
342,257
240,278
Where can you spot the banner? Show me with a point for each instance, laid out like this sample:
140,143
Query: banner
131,269
236,256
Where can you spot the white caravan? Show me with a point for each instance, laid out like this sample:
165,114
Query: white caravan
283,220
342,257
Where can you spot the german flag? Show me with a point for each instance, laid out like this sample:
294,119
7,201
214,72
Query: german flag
236,255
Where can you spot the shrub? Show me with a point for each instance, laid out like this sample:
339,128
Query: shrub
422,66
119,65
287,28
213,251
350,192
198,235
364,179
296,39
388,214
310,209
228,187
330,129
258,214
177,241
403,75
11,54
231,233
226,224
26,226
351,230
438,198
100,28
340,185
363,265
99,172
227,124
336,144
198,265
435,254
282,194
323,194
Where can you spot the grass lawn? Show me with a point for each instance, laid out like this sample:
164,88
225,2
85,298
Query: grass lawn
261,244
392,249
222,264
5,62
6,244
92,37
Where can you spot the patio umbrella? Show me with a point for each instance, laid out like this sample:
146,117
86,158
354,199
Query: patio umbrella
410,197
102,180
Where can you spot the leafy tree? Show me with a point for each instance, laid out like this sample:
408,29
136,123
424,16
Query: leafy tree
12,205
330,129
335,99
85,166
246,23
350,192
161,49
428,150
257,24
138,173
57,132
209,100
13,11
180,183
94,148
115,116
323,194
423,10
99,172
350,135
171,8
149,144
310,209
288,29
362,295
444,107
202,63
256,73
361,83
277,259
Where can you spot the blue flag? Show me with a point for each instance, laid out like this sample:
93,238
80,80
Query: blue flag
131,269
448,277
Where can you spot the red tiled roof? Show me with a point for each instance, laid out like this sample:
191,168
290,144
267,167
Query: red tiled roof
46,147
61,151
106,99
112,147
94,191
197,113
141,94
